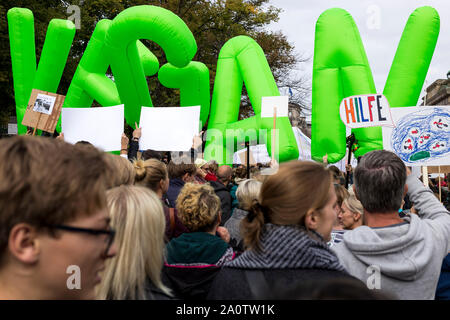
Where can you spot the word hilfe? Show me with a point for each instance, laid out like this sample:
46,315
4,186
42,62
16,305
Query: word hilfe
364,109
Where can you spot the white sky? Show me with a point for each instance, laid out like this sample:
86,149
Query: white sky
298,19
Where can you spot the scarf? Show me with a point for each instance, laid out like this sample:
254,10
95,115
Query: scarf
288,247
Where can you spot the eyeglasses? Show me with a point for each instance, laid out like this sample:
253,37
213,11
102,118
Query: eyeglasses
110,233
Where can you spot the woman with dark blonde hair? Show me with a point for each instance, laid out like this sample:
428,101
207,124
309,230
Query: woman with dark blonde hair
285,233
193,259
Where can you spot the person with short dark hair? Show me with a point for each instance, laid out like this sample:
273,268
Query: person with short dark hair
407,250
224,174
179,174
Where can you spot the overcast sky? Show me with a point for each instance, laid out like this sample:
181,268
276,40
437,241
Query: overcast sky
298,19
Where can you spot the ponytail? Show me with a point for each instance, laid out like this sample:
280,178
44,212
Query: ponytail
252,225
149,173
139,166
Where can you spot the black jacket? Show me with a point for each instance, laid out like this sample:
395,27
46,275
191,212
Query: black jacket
225,199
233,283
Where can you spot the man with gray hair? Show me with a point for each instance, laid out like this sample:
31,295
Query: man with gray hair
397,253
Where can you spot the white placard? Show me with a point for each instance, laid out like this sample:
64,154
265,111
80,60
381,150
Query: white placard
367,110
103,127
269,103
169,128
421,136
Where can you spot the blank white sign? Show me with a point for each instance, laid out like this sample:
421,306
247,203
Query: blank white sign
103,127
169,128
268,104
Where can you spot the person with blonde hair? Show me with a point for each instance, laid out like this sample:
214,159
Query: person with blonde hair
193,259
351,215
285,234
122,171
152,174
135,273
337,234
246,193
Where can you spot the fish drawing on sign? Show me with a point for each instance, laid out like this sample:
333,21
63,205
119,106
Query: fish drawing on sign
422,136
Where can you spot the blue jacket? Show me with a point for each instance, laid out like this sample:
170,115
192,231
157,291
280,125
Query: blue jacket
175,186
443,287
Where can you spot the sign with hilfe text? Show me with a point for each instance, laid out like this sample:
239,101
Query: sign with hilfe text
369,110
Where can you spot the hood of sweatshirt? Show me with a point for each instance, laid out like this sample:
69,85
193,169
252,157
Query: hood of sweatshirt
195,247
401,249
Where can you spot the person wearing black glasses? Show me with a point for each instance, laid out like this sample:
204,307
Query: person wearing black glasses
54,223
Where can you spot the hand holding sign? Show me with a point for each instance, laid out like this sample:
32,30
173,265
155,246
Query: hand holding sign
369,110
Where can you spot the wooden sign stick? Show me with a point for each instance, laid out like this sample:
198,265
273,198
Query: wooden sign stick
425,176
39,119
273,133
440,192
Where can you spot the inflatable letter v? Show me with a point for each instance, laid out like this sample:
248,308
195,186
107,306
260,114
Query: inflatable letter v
59,37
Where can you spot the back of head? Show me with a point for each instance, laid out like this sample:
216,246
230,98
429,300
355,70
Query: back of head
138,218
286,197
247,192
198,207
152,154
180,168
240,172
46,182
224,173
122,171
380,179
149,173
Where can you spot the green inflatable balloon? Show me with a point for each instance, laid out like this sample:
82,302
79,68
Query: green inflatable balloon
121,50
413,57
58,40
341,69
193,82
241,60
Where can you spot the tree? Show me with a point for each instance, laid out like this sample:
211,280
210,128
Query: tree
211,22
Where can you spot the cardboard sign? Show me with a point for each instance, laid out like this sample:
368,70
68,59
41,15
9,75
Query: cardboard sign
242,154
268,105
369,110
103,127
168,128
43,110
421,136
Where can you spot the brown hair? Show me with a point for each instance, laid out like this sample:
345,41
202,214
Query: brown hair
150,172
45,182
121,173
286,197
180,169
198,207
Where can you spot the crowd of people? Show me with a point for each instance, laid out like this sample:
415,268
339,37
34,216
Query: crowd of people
140,225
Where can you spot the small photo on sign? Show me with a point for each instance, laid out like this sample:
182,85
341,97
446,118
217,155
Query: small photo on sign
44,104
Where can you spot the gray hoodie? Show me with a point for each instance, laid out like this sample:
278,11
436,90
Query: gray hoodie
407,256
